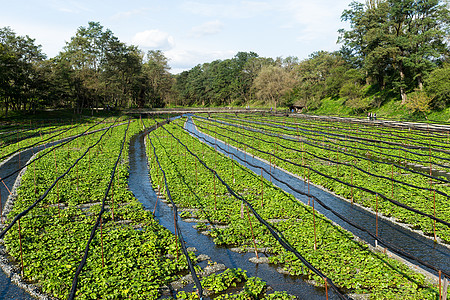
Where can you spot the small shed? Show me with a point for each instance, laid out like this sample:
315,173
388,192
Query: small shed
297,107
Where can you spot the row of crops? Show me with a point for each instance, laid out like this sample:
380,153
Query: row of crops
66,191
76,231
409,177
200,177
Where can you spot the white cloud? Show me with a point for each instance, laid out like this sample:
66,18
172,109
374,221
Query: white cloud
231,9
207,28
182,60
128,14
73,7
154,39
317,20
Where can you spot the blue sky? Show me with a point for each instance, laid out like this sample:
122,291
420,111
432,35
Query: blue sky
189,32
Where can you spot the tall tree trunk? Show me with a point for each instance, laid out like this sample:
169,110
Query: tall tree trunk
402,80
420,82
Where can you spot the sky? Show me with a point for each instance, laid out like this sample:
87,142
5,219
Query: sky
188,32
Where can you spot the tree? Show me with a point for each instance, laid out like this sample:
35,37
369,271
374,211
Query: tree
319,76
160,81
397,41
272,83
243,78
90,52
19,59
437,87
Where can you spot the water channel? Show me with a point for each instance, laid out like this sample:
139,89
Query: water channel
412,242
139,184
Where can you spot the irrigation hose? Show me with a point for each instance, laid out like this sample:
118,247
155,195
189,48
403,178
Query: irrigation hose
351,185
283,243
348,221
265,130
62,144
42,197
97,223
342,163
177,228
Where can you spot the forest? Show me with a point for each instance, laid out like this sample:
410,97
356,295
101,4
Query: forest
392,50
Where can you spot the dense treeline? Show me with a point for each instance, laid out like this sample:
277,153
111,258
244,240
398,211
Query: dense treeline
393,50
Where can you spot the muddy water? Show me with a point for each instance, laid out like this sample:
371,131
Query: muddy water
139,184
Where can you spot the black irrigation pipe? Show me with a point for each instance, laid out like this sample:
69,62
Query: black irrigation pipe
342,163
22,138
27,129
37,143
340,216
363,130
351,185
275,133
4,137
283,243
386,122
58,146
42,197
359,140
97,223
177,228
334,150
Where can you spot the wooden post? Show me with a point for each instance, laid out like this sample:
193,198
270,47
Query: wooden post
20,246
440,293
262,190
101,240
314,222
253,236
376,210
309,199
326,288
9,191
